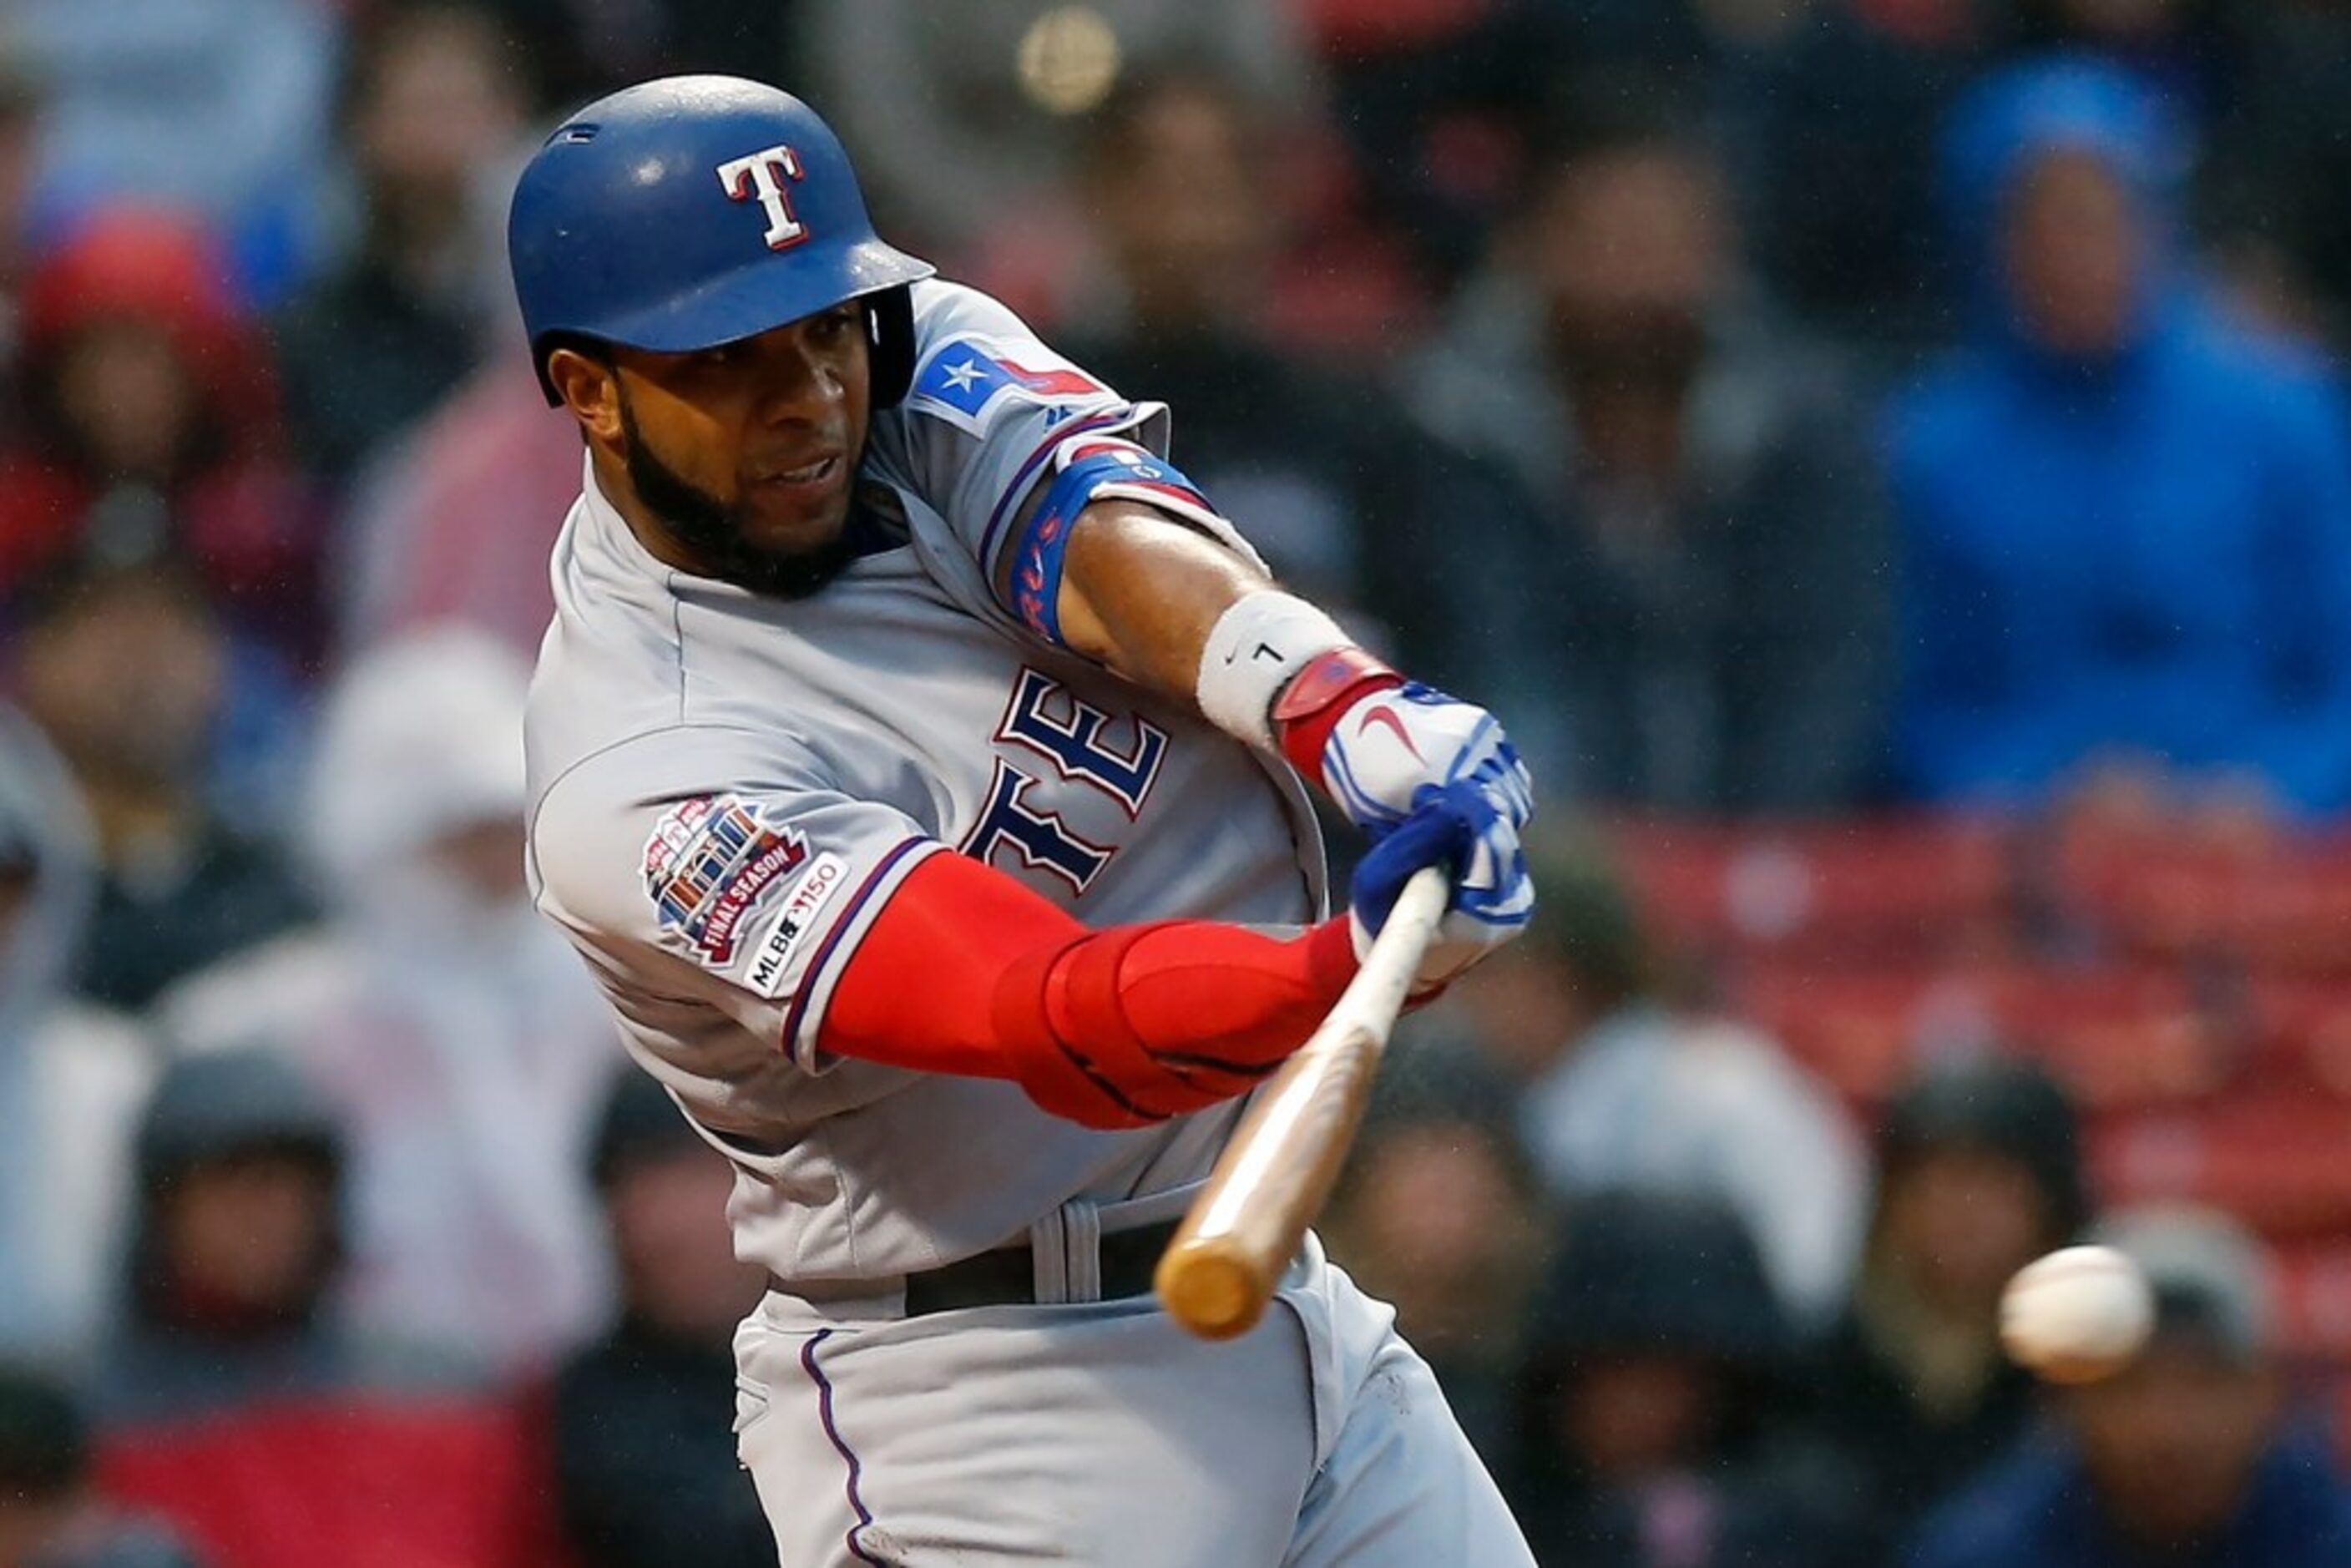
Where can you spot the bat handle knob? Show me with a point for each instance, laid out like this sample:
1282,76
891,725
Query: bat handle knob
1211,1290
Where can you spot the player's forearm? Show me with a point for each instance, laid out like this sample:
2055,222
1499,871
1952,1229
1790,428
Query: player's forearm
967,972
1141,592
1168,607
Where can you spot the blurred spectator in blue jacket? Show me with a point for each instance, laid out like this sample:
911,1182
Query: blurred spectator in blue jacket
2126,522
1685,605
2190,1458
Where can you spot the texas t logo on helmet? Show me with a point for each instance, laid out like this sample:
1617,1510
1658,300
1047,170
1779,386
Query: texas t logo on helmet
763,174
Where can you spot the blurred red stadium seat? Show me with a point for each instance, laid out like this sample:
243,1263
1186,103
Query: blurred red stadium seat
2117,1037
2281,907
2314,1300
2276,1160
1865,889
2303,1028
1862,1031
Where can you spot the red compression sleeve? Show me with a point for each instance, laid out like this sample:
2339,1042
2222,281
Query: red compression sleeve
966,971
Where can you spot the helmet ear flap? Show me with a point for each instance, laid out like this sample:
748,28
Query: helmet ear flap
890,333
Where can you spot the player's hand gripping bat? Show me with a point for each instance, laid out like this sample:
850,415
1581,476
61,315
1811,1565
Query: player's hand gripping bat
1248,1223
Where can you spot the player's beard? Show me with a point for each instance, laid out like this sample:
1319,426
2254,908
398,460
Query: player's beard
714,531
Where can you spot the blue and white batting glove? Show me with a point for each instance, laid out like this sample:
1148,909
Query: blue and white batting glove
1459,826
1371,740
1389,746
1432,780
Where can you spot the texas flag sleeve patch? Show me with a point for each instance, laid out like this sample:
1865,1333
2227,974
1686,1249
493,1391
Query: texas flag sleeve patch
970,382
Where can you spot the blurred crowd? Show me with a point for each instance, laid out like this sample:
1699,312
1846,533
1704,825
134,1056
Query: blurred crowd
1887,461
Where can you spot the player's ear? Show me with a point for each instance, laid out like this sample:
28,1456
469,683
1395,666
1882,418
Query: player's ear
589,387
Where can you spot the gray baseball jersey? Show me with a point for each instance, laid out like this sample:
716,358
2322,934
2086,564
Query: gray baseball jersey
726,789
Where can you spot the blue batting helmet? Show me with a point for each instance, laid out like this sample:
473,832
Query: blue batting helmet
688,212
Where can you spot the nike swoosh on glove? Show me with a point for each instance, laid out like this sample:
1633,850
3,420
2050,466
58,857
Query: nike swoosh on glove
1390,744
1465,828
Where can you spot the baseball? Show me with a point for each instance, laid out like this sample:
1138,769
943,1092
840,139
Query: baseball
2077,1315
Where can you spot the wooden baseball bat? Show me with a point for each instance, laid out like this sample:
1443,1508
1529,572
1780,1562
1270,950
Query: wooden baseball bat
1248,1223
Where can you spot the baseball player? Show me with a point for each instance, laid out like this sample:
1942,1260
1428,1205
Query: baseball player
915,759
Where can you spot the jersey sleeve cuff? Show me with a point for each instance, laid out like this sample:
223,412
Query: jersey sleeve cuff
804,1019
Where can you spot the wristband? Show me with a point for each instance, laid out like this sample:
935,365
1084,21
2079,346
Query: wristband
1257,647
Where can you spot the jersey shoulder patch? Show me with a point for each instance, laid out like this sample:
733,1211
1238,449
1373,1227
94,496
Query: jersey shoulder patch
713,866
970,379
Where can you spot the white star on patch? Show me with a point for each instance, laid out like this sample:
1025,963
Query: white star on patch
962,376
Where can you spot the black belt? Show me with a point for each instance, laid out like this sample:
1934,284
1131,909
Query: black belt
1006,1277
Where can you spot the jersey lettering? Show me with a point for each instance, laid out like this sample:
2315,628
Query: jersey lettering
762,175
1049,719
1041,838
